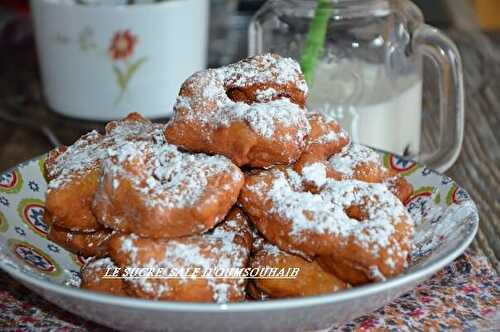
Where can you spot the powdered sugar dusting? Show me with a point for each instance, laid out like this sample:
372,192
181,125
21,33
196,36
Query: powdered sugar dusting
76,159
266,95
94,268
99,263
128,246
383,210
315,173
264,117
327,135
272,250
353,155
209,252
325,212
168,177
264,68
88,152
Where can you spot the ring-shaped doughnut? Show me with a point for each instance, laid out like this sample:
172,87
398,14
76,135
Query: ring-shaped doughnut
93,244
348,218
251,112
311,278
158,191
225,247
94,277
73,172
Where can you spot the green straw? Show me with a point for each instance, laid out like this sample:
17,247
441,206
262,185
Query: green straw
315,40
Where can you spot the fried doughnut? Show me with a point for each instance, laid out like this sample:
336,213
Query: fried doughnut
354,161
251,112
362,163
399,186
50,163
254,293
47,217
258,241
359,162
158,191
73,172
227,246
311,280
348,270
92,277
349,219
325,139
93,244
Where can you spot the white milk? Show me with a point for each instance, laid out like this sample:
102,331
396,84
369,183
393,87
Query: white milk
377,111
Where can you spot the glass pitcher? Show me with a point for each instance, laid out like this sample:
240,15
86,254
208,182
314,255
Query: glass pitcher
369,74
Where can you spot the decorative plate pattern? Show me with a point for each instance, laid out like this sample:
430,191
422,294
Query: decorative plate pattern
402,166
34,257
31,212
11,182
444,215
22,230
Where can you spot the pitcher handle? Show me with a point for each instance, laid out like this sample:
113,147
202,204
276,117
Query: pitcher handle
431,42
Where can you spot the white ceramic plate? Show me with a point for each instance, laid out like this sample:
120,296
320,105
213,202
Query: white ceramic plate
446,222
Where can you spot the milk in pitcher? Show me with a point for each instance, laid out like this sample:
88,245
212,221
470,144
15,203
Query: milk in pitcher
377,110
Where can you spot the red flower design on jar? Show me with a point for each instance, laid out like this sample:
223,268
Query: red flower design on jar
122,45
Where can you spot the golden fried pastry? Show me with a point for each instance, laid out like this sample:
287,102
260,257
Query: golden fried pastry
133,126
93,244
93,277
251,112
359,162
351,219
258,241
355,161
157,191
49,165
47,217
164,212
399,186
325,139
330,151
347,270
311,279
254,293
264,78
227,246
362,163
73,172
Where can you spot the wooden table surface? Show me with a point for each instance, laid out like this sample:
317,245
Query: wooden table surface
477,169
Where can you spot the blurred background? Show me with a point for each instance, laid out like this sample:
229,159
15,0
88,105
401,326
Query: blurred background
230,18
24,116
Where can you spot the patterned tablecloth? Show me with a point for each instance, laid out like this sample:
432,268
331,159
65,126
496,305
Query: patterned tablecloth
463,296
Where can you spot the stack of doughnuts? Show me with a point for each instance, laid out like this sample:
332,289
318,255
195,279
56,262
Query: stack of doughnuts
241,177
